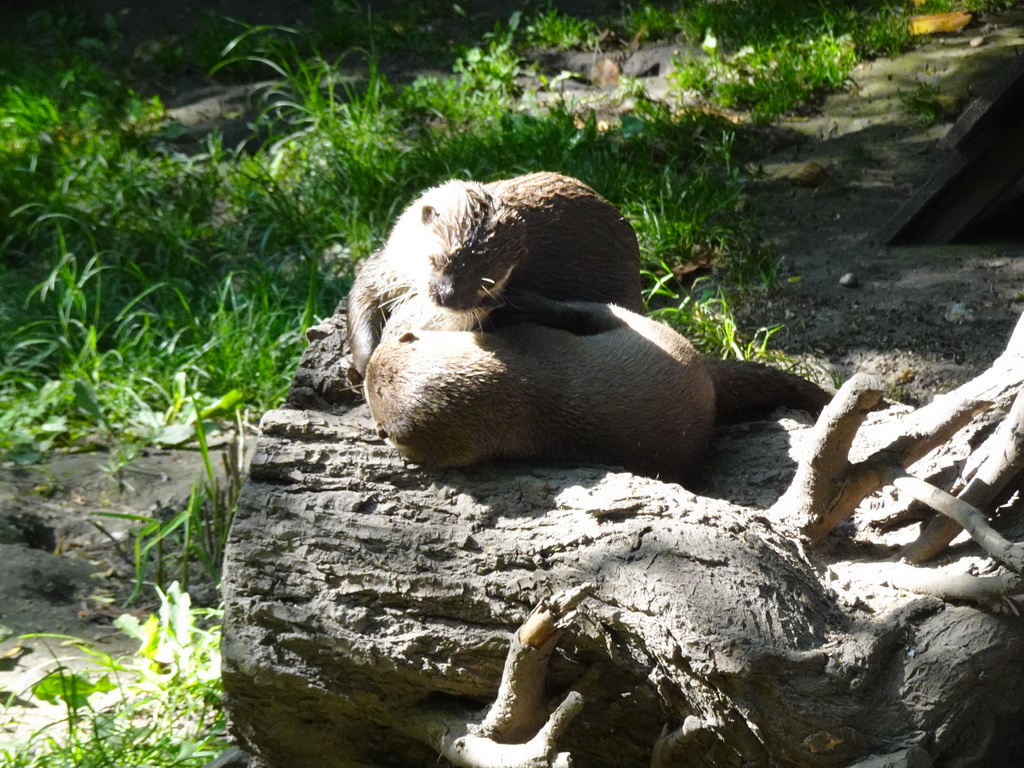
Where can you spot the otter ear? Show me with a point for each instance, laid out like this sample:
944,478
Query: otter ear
407,337
428,214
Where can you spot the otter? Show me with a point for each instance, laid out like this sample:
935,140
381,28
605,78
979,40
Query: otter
744,390
529,391
566,381
467,247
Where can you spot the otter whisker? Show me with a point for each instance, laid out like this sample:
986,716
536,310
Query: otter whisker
480,315
497,298
400,293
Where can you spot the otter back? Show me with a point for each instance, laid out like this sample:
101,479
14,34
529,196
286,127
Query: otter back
635,396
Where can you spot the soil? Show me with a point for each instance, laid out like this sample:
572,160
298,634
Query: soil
68,564
924,319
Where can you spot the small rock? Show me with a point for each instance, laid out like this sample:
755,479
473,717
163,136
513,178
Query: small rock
605,73
849,280
958,313
977,42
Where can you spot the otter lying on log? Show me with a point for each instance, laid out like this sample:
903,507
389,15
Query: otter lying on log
565,381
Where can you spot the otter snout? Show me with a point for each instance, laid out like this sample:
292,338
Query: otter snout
443,293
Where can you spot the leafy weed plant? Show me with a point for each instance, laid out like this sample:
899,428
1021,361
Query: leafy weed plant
160,708
188,546
927,105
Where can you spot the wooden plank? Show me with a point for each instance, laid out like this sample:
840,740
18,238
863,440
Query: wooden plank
962,191
986,157
1001,100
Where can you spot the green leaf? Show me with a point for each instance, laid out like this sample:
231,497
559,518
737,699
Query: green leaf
710,43
23,454
73,690
131,626
226,403
632,126
173,131
174,434
86,399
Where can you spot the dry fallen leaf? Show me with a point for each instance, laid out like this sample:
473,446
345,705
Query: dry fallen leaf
939,23
580,123
820,742
810,174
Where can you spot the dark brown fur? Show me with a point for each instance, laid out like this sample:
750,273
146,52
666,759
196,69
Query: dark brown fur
743,389
468,247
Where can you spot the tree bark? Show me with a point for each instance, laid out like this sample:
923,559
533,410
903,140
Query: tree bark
371,604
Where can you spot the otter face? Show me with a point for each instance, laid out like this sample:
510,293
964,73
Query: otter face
464,292
473,270
462,243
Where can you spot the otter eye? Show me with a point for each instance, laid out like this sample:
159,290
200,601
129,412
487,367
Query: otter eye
428,214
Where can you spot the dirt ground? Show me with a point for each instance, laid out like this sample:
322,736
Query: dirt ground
924,319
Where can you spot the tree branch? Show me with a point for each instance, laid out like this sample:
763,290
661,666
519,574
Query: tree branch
518,711
812,497
1004,460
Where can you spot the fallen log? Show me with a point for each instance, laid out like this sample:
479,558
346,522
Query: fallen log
380,613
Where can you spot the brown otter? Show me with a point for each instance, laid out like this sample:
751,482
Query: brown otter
527,391
743,389
467,247
594,383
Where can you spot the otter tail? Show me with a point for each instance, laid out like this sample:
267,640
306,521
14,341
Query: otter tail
746,390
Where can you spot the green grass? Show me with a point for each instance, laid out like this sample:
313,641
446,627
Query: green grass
767,58
138,273
927,105
160,708
151,289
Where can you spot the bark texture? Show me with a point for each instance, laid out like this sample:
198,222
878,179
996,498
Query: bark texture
371,604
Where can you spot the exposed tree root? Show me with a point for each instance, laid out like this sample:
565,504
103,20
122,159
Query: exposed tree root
517,731
1003,461
913,757
993,592
518,712
828,487
468,750
671,744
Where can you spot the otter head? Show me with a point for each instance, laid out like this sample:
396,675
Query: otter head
478,239
418,397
